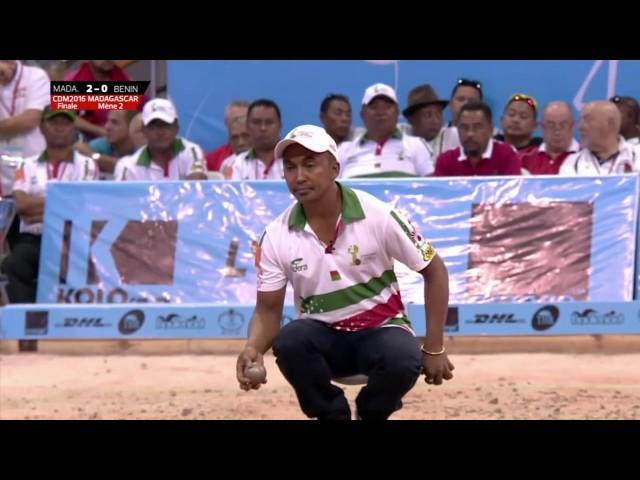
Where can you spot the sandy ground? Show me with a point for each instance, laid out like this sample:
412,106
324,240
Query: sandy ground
492,386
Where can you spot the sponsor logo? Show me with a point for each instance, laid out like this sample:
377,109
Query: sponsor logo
298,266
131,322
176,321
36,322
231,322
592,317
83,322
99,295
545,318
495,318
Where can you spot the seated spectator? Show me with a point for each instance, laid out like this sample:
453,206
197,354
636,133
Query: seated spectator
58,161
519,121
107,150
605,151
335,115
258,163
424,112
136,132
383,150
630,122
24,93
464,91
239,141
479,154
92,122
557,131
166,156
234,112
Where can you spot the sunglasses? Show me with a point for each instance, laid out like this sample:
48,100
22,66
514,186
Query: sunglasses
465,82
626,100
521,97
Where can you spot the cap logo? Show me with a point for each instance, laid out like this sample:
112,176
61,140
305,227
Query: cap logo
302,133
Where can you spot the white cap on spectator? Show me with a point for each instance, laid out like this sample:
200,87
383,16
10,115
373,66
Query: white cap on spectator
159,109
310,137
379,90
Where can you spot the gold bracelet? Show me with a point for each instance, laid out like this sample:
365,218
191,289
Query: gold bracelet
433,353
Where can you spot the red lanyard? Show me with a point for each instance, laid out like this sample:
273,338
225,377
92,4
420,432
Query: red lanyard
380,146
54,172
266,171
330,248
165,169
15,94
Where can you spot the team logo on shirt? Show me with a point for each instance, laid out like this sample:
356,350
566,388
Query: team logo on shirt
353,251
298,266
626,167
427,250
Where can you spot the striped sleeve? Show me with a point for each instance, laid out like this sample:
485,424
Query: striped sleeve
405,243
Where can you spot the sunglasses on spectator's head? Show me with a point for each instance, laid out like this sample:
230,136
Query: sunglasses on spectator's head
464,82
521,97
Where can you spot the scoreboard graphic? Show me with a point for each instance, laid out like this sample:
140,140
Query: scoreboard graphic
124,95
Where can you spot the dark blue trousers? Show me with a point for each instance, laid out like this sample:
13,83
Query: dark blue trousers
309,354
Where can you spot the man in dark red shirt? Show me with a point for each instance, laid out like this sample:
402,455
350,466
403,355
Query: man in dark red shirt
557,131
479,154
519,121
92,122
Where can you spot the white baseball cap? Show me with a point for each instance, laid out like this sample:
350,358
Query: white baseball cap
377,90
311,137
160,109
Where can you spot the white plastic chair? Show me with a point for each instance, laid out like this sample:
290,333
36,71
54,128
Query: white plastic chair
358,379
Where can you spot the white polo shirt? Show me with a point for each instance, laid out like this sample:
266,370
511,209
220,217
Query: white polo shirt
354,132
447,139
188,158
350,284
401,155
450,139
29,89
585,162
36,172
246,166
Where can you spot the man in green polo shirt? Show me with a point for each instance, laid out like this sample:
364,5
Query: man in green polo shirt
337,246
